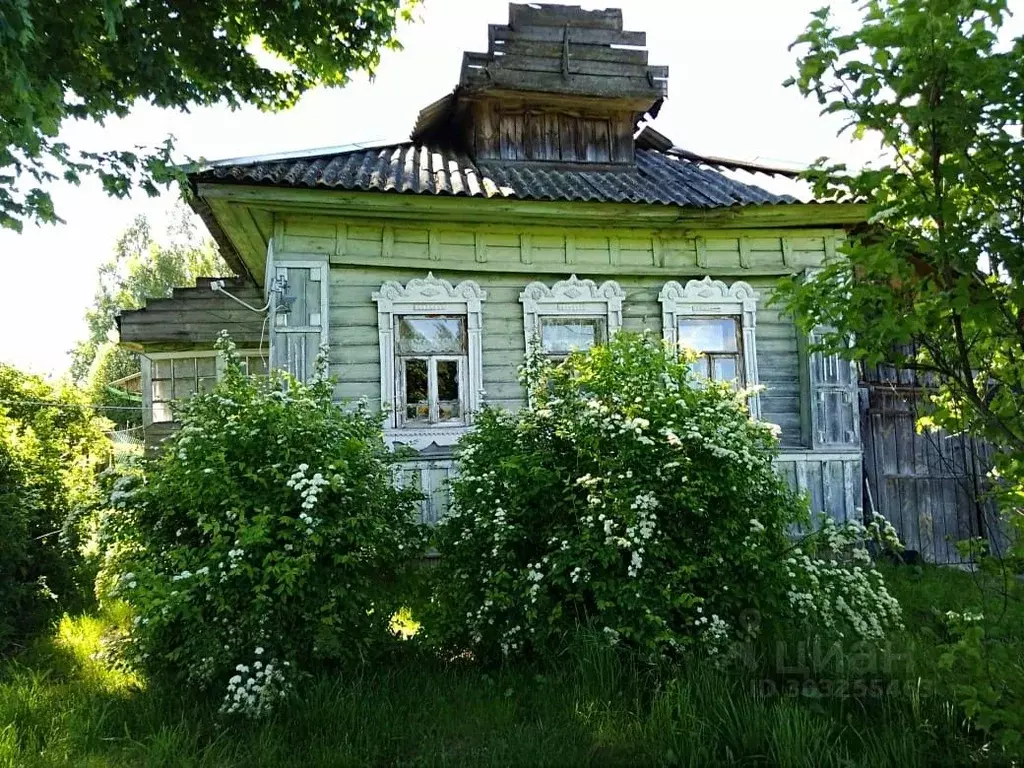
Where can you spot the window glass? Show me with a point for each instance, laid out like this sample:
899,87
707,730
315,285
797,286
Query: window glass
420,335
561,335
708,334
184,387
179,378
701,367
716,338
254,365
417,400
163,389
725,367
430,355
184,368
206,366
448,402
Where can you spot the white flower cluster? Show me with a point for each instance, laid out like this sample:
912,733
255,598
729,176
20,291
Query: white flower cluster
715,636
534,575
837,595
125,581
308,488
510,640
187,574
642,531
955,618
256,688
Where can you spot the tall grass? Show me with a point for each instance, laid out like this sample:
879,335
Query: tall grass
61,705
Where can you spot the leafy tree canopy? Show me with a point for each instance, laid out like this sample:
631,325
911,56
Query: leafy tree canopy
51,446
935,281
141,268
95,59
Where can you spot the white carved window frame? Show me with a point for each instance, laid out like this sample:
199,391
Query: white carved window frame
713,298
571,298
429,296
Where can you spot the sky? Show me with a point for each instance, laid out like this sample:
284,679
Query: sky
727,60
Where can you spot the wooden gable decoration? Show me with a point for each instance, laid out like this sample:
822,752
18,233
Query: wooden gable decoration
557,85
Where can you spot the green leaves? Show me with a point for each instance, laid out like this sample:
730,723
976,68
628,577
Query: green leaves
935,281
941,264
51,449
244,538
97,58
628,500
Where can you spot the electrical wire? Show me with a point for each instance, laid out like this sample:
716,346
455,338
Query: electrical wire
263,333
73,405
217,287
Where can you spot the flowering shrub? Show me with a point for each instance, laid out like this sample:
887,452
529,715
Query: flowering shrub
632,500
265,539
834,585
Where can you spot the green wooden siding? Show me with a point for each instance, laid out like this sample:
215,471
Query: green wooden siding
355,355
549,250
504,258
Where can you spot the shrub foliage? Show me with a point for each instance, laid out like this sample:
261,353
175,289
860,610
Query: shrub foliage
265,540
632,500
51,447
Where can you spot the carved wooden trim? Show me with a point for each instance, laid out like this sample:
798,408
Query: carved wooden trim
571,298
709,297
429,295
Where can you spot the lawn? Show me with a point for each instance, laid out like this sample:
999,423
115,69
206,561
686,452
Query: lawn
60,705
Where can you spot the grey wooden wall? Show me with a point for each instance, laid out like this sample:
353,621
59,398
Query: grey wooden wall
193,317
931,485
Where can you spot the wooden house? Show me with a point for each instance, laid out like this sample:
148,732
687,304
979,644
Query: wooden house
532,204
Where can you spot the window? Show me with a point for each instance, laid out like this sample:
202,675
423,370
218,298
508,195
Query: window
717,339
300,317
254,364
571,315
718,321
178,379
561,335
431,352
168,377
430,359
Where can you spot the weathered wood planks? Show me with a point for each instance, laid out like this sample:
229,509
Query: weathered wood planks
929,485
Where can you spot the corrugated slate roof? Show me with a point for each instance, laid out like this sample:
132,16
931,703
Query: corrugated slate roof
659,177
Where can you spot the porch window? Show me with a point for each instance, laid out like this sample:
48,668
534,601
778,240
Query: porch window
169,377
717,340
431,364
254,365
178,379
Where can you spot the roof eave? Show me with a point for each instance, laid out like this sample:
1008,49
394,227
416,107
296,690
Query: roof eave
372,204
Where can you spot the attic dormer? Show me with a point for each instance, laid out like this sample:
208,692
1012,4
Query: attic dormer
557,85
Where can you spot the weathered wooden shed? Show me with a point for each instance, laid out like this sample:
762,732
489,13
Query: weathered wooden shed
532,204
